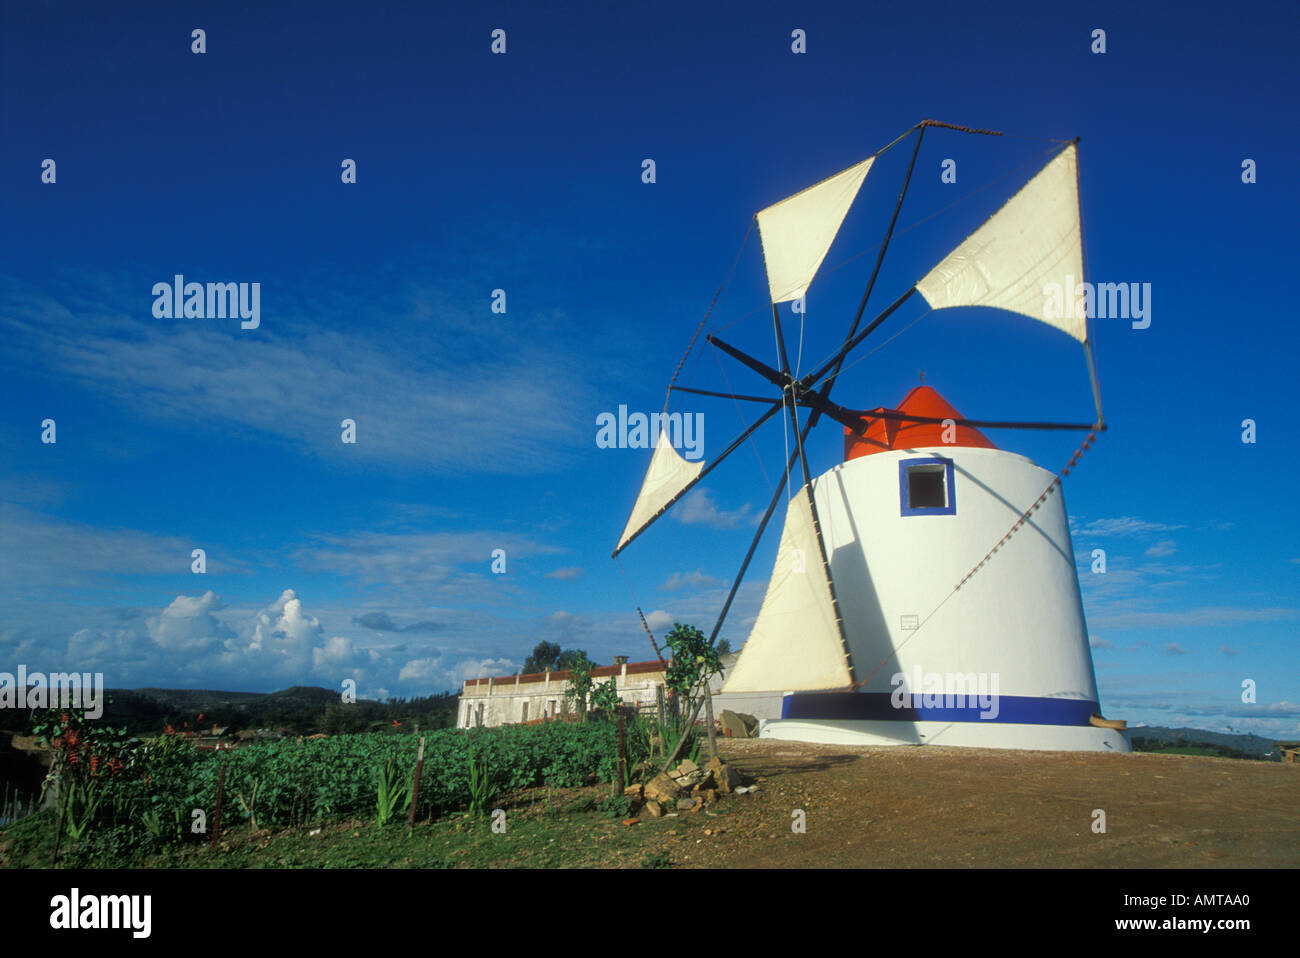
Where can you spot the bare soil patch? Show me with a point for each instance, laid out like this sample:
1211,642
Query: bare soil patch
934,807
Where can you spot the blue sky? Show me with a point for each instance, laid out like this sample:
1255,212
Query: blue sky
476,430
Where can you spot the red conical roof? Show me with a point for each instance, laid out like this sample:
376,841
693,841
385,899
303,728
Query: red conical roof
886,434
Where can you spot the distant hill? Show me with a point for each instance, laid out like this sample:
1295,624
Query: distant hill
206,699
300,709
1157,739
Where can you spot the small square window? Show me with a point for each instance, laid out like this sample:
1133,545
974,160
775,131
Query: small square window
925,487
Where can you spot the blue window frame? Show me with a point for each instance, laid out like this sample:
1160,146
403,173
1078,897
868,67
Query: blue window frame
926,487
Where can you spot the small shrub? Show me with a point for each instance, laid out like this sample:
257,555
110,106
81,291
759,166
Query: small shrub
615,806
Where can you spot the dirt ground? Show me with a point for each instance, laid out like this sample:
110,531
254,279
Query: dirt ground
949,807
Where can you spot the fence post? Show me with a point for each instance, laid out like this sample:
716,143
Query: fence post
415,785
622,756
216,815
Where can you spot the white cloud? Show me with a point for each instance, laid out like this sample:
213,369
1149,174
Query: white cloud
699,509
432,673
336,655
1124,526
453,409
1164,547
37,550
659,620
569,572
696,579
188,625
452,564
1173,648
1210,615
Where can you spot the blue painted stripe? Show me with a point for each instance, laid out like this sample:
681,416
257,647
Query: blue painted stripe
879,706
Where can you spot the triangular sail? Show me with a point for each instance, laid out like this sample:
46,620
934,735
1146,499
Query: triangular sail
1030,245
798,231
795,644
667,476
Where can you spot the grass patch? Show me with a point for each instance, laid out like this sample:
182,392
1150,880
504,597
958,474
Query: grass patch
575,832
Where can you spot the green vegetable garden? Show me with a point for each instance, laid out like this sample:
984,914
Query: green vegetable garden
145,794
116,795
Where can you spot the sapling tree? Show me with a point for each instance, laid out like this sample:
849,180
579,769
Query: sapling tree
580,682
606,698
694,662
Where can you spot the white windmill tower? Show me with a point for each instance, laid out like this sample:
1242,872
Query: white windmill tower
924,589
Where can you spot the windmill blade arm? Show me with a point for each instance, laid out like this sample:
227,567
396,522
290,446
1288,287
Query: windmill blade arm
764,370
630,534
709,392
853,344
848,418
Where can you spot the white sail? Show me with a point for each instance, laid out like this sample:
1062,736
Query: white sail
795,644
1025,249
797,232
667,476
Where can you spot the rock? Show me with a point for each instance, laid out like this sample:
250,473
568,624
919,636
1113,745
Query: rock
709,796
727,778
661,788
634,793
686,767
685,804
691,779
696,808
652,810
738,724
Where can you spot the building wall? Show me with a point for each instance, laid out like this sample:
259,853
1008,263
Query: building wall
1020,616
501,701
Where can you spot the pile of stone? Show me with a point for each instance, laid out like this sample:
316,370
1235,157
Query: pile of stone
687,788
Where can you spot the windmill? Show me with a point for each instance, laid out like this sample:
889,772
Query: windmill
859,632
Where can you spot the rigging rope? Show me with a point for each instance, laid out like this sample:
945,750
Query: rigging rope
753,445
725,283
644,624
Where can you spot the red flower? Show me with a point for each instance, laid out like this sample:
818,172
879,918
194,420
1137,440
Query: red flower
396,723
199,719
